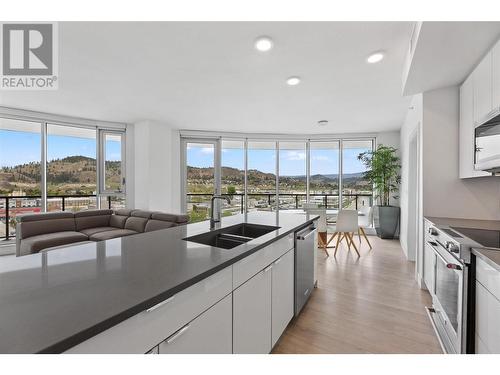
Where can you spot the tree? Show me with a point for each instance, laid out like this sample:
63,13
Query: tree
383,171
231,190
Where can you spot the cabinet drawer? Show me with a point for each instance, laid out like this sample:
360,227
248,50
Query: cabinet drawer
488,276
256,262
487,322
209,333
141,332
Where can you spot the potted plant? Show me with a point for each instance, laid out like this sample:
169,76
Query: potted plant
383,166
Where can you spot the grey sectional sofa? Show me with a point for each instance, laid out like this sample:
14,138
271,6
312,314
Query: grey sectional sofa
36,232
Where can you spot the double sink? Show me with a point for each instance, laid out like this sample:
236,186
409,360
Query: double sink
229,237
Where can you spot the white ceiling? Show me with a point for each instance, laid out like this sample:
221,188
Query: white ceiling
446,53
208,76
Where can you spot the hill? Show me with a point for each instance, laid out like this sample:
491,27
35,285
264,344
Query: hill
69,175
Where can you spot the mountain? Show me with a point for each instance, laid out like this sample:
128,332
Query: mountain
69,175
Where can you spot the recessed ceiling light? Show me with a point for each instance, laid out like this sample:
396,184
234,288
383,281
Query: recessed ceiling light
263,44
375,57
323,122
293,81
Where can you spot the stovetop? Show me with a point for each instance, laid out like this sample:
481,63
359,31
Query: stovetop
484,237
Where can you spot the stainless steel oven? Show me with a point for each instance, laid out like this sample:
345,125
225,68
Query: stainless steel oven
487,146
449,299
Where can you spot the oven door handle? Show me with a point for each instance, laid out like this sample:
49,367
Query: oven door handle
452,266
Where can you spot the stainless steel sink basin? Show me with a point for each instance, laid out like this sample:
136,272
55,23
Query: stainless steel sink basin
227,238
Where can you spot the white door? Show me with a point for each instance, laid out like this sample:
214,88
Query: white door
252,315
282,294
209,333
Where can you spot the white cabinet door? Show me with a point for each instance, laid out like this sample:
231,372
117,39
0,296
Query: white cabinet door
429,259
209,333
282,294
482,76
466,134
252,315
495,61
487,321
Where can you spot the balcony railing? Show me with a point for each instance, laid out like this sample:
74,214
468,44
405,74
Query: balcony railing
286,201
9,211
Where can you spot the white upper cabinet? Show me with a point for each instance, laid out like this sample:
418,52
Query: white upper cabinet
466,145
483,100
495,61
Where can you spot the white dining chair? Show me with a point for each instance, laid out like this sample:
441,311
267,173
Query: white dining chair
365,221
347,225
323,240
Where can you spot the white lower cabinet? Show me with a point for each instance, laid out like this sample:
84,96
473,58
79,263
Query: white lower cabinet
209,333
282,294
252,315
487,320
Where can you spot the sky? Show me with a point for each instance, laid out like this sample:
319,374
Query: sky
23,147
292,162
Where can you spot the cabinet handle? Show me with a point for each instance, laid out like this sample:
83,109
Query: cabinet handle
177,334
277,261
268,269
160,304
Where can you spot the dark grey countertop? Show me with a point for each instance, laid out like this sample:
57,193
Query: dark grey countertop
52,301
465,223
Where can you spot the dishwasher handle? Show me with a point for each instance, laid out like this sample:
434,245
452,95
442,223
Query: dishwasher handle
306,233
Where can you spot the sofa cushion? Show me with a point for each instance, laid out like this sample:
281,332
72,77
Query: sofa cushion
109,234
152,225
141,213
92,218
46,223
45,216
174,218
90,231
119,218
42,241
136,223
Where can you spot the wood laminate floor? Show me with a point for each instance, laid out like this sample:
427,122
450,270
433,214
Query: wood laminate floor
367,305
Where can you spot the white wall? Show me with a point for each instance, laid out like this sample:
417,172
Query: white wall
445,194
408,130
442,192
155,179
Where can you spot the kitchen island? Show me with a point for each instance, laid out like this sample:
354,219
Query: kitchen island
124,294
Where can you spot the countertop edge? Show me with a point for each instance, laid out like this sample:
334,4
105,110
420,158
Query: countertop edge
86,334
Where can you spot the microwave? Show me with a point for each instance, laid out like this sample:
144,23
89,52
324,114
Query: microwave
487,146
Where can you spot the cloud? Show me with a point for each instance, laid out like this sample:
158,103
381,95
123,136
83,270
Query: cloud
295,155
207,150
321,158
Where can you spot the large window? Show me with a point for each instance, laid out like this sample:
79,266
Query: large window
200,173
292,175
48,166
233,175
283,174
71,168
20,172
261,176
357,193
324,174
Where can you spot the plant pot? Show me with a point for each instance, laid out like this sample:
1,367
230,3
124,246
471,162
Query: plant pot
386,221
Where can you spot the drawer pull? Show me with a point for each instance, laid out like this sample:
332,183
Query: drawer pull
268,269
158,305
276,262
177,334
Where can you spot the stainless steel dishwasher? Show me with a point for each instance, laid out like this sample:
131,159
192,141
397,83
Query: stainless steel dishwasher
304,266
